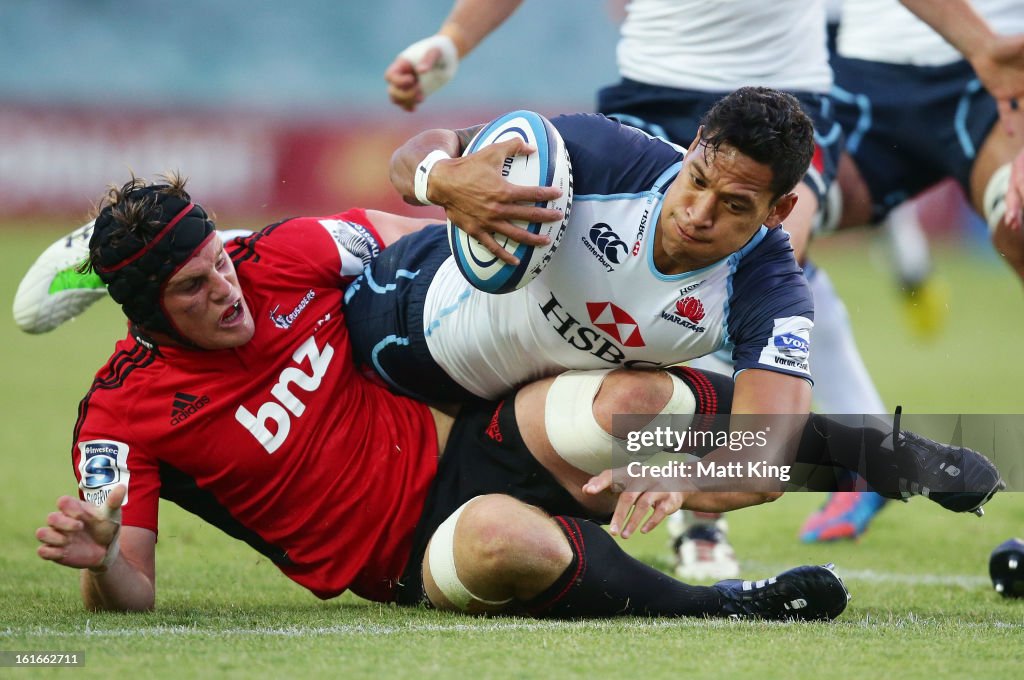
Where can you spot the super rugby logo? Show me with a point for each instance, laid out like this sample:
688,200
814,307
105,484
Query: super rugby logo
606,246
102,466
285,403
284,321
612,320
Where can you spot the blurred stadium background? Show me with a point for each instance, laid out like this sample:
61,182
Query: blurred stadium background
281,109
269,108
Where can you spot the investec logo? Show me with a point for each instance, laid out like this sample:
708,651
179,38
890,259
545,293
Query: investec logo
285,403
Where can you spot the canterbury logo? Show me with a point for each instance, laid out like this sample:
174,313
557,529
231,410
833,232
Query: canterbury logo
285,403
185,405
609,243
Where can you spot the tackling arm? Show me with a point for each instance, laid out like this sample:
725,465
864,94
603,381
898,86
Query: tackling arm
118,564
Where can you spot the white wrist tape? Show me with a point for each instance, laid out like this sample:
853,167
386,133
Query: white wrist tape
423,174
443,69
114,548
994,202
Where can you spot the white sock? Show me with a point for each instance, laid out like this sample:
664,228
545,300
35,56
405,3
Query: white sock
908,245
841,381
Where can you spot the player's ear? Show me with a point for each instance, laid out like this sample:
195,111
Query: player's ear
780,211
696,140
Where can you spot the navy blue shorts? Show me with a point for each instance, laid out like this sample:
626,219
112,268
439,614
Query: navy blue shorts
674,115
909,127
384,315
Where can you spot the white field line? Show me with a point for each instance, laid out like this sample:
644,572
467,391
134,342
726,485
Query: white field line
370,629
164,632
876,576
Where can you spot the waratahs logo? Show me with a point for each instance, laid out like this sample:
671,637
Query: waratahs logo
608,243
690,308
792,345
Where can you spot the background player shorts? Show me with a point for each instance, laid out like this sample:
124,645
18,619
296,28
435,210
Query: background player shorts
908,137
674,115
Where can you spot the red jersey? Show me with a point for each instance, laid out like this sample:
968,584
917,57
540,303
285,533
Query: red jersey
279,442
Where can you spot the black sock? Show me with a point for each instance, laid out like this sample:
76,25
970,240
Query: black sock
602,580
713,391
836,447
852,445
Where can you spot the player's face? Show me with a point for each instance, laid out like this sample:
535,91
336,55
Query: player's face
715,205
205,303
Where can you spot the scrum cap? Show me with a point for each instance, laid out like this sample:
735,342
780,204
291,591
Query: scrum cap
136,264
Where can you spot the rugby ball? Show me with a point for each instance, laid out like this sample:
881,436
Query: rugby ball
547,166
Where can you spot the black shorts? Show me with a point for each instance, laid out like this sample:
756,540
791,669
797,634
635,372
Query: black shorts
384,316
485,454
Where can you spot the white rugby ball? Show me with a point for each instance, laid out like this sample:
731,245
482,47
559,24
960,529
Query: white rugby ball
547,166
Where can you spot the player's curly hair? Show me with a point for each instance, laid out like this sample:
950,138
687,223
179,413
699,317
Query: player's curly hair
141,235
768,126
133,212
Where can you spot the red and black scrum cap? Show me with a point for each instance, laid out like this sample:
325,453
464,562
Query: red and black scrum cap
137,264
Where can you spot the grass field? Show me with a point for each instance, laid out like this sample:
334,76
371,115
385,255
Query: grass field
922,603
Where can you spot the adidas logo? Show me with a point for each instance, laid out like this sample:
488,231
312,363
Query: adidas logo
494,429
185,405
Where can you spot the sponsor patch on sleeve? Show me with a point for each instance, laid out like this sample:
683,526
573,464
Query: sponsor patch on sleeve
103,465
789,345
356,245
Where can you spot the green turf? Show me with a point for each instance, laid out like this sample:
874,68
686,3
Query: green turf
922,605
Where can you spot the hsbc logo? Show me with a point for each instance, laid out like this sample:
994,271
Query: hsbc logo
640,232
616,322
285,403
616,327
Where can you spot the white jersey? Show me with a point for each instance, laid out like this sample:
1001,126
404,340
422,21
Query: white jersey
886,31
601,302
721,45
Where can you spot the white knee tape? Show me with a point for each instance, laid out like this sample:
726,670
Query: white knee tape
574,432
995,196
441,561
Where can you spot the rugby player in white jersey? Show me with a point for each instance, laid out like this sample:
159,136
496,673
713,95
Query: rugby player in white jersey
676,58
